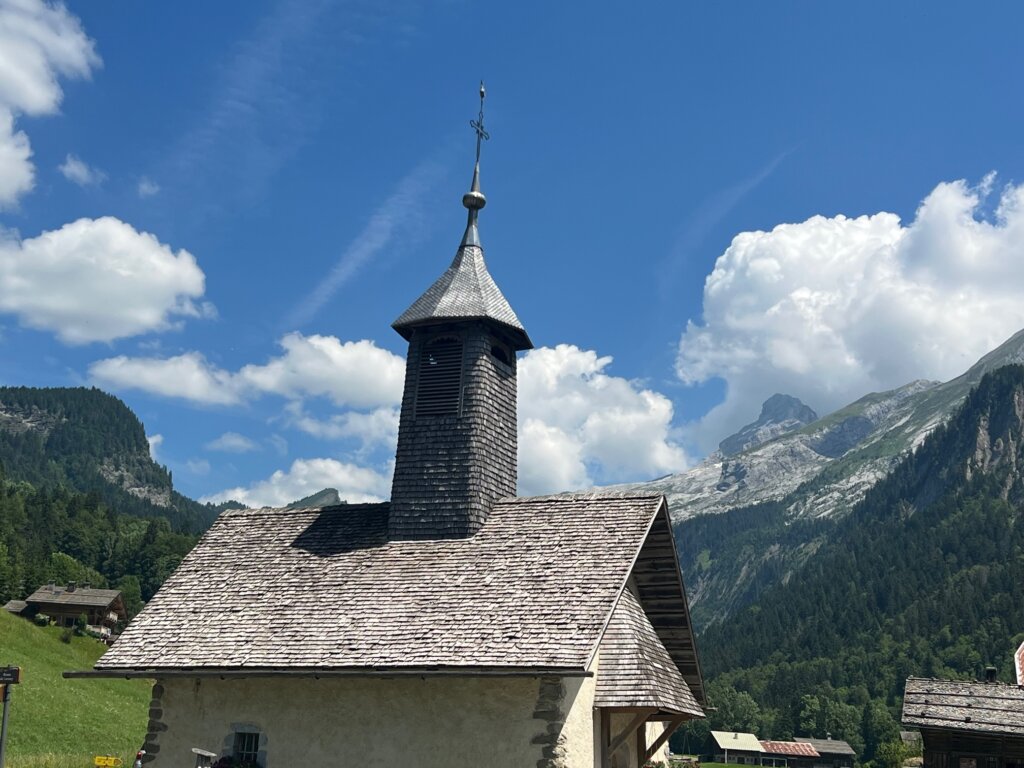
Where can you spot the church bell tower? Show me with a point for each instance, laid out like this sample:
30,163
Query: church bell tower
457,433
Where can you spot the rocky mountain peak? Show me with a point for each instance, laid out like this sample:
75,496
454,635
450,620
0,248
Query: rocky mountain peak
779,414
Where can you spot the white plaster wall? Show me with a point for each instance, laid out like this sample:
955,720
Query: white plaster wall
428,722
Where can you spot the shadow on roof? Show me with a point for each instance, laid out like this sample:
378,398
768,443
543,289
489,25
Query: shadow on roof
345,528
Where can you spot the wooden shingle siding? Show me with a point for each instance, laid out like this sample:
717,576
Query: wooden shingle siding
660,589
635,669
451,469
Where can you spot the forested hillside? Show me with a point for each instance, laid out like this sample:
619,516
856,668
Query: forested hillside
86,440
82,500
924,577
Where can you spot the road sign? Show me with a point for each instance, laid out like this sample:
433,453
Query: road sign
107,760
10,675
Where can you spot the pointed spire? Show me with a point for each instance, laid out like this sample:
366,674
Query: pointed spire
466,290
474,200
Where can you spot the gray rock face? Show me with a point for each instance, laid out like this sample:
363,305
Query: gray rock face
118,474
779,414
19,420
859,444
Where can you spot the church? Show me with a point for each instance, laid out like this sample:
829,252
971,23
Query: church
455,625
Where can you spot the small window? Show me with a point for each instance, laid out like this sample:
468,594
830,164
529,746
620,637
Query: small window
247,747
500,354
440,381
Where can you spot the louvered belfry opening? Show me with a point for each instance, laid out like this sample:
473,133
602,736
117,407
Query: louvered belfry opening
439,385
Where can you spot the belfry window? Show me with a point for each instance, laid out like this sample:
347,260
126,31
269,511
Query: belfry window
439,389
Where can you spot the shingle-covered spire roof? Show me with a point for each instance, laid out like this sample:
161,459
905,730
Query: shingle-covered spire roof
465,291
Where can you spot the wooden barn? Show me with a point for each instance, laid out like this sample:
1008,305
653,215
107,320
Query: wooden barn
832,753
967,724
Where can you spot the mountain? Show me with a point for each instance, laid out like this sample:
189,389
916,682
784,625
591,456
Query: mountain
780,414
328,497
88,441
826,466
923,576
747,522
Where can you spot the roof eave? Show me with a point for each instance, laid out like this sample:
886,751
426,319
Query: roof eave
519,338
321,672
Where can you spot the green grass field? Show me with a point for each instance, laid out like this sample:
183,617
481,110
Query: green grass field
58,723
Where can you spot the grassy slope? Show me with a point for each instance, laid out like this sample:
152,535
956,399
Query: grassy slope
53,716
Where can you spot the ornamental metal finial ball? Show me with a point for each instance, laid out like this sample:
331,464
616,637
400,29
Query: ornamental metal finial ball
474,200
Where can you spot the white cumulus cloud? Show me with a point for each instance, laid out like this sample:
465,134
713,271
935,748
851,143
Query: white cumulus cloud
355,484
39,43
97,280
188,376
378,427
579,425
352,373
81,173
232,442
833,308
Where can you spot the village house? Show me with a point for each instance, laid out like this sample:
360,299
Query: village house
455,625
832,753
735,747
967,724
102,608
789,754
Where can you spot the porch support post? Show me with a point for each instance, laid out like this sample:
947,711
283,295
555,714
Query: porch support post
639,719
670,728
606,737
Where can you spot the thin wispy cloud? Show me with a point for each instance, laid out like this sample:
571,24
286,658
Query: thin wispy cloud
265,105
705,218
147,187
400,218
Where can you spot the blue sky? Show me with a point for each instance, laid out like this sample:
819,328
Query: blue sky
225,206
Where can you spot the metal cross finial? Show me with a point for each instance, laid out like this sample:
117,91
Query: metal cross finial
478,124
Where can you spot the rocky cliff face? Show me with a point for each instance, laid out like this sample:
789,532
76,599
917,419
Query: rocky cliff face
85,440
778,499
780,414
824,466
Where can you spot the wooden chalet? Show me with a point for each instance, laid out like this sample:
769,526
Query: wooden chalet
102,608
832,753
455,625
788,754
967,724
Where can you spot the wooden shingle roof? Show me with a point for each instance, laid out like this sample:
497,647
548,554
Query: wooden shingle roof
320,591
84,597
635,670
465,291
828,746
964,706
